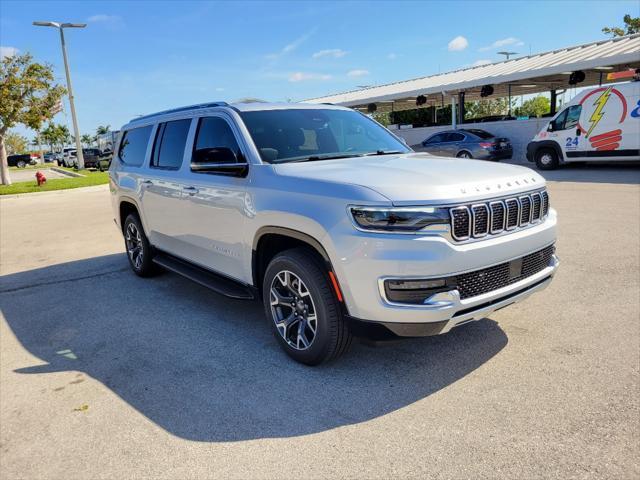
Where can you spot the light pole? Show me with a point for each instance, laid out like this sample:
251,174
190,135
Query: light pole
507,54
61,27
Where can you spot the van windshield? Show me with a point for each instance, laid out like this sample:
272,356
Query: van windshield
314,134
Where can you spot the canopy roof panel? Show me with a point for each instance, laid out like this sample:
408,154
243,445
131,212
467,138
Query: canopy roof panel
531,74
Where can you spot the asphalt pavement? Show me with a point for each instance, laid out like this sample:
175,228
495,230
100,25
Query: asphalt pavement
107,375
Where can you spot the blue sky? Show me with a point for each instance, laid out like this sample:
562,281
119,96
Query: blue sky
140,57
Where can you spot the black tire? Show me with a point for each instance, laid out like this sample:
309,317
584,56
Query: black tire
547,159
138,249
332,336
21,164
464,154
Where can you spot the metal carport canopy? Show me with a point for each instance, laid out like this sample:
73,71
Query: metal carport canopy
548,70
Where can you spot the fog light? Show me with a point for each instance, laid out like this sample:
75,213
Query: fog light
415,284
415,292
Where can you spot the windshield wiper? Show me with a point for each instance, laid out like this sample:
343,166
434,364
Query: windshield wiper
382,152
315,158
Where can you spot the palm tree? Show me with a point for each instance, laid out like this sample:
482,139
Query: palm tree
86,140
102,129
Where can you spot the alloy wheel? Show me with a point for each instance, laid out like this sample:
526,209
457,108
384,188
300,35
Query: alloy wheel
546,159
135,248
293,310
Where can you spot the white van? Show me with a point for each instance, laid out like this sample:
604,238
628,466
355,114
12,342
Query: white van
599,124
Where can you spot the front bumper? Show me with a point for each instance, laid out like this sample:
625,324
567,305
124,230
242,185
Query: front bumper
369,259
459,311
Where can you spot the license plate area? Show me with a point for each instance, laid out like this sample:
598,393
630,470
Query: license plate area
515,268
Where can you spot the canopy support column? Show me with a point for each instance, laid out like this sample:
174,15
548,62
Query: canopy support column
453,112
554,100
461,108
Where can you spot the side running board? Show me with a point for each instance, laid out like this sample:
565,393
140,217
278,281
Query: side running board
206,278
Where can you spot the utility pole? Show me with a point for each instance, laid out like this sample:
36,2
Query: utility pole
76,129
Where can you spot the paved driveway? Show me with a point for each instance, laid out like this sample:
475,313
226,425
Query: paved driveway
106,375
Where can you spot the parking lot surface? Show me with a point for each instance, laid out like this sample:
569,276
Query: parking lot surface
106,375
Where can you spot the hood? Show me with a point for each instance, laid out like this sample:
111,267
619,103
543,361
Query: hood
418,178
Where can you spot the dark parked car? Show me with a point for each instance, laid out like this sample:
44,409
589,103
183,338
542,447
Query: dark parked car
466,143
91,157
22,160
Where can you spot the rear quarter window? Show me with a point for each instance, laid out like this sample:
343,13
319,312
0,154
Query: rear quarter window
133,146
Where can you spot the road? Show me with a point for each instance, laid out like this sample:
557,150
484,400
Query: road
106,375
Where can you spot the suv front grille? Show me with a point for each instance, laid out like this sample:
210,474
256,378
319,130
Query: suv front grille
491,218
476,283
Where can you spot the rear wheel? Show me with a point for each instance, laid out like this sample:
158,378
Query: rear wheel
302,308
464,154
139,250
21,164
547,159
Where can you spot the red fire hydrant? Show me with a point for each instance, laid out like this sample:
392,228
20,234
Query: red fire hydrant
40,178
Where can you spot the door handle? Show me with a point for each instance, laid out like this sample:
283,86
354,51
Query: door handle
190,190
147,183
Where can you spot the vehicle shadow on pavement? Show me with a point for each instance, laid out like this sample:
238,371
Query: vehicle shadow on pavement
207,368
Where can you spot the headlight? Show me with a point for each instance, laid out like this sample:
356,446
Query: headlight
400,219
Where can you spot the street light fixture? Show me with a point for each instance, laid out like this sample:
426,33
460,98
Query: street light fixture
76,130
507,54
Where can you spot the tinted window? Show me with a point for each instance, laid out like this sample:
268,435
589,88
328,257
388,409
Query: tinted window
480,133
455,137
558,123
134,145
296,134
171,139
435,139
214,133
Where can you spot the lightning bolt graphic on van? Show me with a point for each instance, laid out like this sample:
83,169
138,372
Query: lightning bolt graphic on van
597,114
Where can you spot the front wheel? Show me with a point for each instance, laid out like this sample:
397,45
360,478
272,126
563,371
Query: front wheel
21,164
302,308
547,159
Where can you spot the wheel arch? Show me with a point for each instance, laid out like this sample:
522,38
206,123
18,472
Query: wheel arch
126,207
555,146
271,240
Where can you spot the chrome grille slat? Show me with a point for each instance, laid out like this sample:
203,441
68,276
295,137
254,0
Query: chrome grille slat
460,223
498,216
480,216
525,210
494,217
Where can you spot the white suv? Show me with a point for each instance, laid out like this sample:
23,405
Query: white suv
331,220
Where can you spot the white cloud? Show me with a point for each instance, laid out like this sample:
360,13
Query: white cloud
303,76
102,17
458,43
290,47
504,42
392,56
357,73
8,52
482,61
219,89
332,52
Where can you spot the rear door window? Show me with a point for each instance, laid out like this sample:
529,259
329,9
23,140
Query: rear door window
134,145
171,139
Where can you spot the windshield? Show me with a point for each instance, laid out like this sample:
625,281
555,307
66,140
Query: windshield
314,134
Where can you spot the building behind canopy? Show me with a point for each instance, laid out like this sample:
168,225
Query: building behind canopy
549,72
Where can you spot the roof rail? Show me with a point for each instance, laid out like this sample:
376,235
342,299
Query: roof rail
181,109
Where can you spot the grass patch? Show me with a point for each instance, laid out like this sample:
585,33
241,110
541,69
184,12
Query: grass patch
90,179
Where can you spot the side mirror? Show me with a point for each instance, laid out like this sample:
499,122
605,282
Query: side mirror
221,160
550,127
